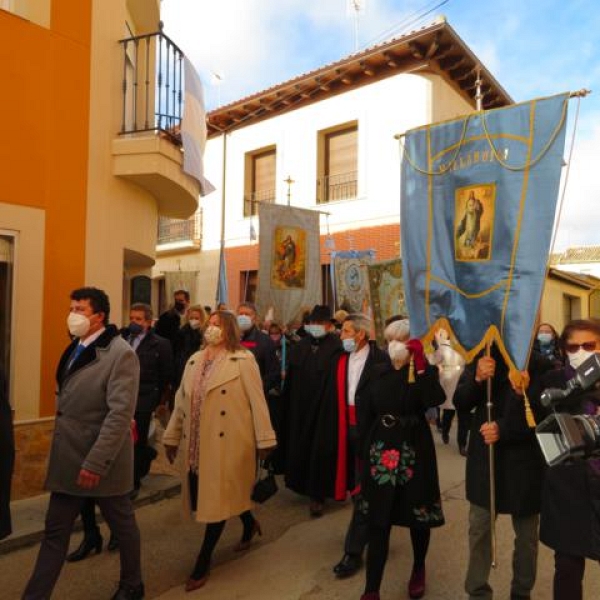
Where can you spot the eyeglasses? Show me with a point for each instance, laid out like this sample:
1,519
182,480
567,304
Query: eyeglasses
587,346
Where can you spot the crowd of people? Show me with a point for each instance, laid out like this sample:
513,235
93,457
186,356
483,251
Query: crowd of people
337,416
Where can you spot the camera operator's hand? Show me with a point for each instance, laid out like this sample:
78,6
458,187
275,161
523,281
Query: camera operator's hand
490,432
486,367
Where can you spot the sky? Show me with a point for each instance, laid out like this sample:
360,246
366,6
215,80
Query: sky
532,47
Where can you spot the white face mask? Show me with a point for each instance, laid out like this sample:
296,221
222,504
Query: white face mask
315,330
576,358
194,323
244,322
78,324
213,335
398,351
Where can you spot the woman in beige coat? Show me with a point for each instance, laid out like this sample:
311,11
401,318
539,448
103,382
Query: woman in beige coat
219,423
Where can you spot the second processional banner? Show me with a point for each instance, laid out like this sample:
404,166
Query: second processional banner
289,275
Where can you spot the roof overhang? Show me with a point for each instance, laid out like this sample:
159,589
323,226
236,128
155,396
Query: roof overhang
434,49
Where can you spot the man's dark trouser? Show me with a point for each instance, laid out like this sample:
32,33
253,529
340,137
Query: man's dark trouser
62,512
358,530
464,424
143,455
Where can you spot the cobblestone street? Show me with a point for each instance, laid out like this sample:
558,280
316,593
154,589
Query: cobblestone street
293,560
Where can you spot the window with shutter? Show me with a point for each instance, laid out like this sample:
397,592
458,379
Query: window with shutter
338,163
259,179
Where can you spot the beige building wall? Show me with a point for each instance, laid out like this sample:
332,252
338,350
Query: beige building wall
552,309
122,217
27,225
36,11
444,102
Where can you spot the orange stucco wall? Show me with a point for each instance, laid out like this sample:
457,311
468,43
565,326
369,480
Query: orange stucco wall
44,153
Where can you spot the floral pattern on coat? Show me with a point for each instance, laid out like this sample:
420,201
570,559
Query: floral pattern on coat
391,465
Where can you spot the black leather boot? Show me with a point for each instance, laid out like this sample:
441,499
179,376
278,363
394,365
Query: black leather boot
91,541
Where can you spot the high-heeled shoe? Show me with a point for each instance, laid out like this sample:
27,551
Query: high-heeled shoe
416,585
90,542
245,544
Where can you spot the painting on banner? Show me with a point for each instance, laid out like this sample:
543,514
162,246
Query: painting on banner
351,281
387,293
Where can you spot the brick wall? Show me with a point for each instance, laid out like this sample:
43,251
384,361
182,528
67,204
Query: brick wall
385,240
32,443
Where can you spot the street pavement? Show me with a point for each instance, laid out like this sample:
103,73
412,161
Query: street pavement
293,559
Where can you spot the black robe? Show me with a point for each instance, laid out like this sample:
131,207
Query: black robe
7,458
310,363
333,469
570,519
400,484
518,460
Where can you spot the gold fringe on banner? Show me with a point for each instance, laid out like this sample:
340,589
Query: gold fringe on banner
492,335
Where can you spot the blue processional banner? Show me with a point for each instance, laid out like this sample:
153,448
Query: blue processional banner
350,279
478,204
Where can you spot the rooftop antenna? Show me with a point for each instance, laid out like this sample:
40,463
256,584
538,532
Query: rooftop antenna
354,8
216,78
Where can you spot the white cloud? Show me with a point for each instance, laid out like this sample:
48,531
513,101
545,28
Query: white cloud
580,220
258,43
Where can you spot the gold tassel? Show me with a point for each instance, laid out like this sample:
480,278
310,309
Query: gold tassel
411,370
528,412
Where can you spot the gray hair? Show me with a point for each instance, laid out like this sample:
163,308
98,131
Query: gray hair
397,330
360,323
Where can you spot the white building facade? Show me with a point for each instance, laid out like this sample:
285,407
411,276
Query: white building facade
332,132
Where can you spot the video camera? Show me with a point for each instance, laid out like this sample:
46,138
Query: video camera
563,436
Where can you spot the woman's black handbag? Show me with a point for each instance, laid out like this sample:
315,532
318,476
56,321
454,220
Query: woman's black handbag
267,486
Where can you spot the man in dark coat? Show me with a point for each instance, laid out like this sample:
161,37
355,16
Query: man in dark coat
335,465
260,344
92,449
519,469
156,376
170,322
7,457
310,362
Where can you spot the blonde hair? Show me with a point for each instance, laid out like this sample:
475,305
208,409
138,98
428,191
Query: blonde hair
199,309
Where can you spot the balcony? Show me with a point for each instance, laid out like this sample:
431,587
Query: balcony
253,199
176,235
148,150
331,188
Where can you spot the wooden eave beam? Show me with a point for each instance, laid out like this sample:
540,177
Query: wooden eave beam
451,62
417,50
444,50
433,47
367,69
390,60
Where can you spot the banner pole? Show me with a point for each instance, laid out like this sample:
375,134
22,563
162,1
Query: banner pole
490,406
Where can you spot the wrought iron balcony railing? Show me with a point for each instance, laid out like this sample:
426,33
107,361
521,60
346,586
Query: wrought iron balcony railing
252,200
152,85
337,187
173,231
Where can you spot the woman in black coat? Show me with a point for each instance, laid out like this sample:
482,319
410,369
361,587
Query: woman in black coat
7,458
570,518
400,482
